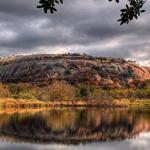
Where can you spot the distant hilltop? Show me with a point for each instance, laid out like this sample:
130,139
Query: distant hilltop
42,69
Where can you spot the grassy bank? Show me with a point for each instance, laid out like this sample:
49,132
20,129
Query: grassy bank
9,103
24,103
139,103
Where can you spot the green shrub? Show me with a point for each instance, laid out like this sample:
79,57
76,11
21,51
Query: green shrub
67,72
23,90
26,95
145,91
83,90
99,95
122,93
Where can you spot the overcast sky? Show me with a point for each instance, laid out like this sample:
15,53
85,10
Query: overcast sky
82,26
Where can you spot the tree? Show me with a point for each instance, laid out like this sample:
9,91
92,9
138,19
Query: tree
132,10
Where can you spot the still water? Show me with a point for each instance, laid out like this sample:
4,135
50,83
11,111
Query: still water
76,129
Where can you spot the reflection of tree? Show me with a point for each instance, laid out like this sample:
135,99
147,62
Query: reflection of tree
76,125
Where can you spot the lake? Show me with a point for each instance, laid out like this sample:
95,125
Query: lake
75,129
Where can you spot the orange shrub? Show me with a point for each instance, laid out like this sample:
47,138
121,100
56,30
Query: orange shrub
57,91
4,91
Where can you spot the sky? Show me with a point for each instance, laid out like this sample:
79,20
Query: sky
79,26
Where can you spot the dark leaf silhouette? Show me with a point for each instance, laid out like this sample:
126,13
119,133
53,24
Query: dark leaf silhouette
132,10
49,5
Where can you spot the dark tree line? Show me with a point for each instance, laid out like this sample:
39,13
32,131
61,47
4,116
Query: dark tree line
132,10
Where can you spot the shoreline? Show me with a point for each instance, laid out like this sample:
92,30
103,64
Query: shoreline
8,103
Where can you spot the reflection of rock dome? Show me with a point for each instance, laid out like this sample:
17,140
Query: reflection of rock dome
73,126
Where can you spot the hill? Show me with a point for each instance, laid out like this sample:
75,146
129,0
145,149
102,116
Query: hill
42,69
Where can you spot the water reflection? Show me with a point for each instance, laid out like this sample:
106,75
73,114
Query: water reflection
74,126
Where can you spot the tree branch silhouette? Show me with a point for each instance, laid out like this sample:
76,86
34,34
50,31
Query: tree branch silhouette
132,10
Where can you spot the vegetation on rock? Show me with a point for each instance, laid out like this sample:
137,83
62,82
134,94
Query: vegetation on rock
62,91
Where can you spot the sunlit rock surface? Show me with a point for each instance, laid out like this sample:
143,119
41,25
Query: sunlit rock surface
73,68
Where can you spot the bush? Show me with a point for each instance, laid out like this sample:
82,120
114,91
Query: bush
26,95
23,90
4,91
99,95
57,91
145,91
122,93
67,72
83,91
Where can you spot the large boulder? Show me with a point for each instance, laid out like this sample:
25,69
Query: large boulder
72,68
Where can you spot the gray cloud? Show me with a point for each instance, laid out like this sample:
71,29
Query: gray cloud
89,27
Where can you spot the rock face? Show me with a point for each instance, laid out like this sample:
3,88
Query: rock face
73,68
